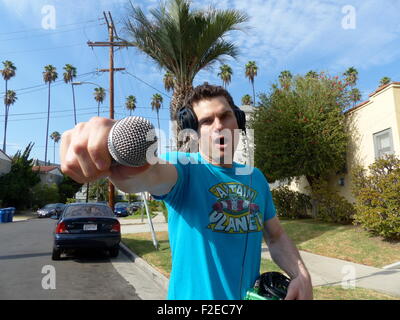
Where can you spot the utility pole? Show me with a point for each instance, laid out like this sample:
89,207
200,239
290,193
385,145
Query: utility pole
111,44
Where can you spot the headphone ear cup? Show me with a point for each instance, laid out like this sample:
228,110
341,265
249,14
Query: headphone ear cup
241,118
187,119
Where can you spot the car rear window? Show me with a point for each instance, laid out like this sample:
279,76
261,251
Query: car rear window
88,211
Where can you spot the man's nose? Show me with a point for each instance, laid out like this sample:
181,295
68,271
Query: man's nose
218,124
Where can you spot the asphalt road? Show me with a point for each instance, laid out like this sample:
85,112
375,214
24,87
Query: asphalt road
27,271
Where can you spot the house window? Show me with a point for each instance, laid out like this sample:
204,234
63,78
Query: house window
383,143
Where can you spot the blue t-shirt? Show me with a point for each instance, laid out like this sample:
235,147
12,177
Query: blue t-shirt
215,223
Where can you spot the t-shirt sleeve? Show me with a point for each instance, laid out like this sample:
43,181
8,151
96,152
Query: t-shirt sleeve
270,210
176,159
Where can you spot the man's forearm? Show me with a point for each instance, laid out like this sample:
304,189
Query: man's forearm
287,256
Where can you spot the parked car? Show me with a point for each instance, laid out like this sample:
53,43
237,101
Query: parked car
87,225
134,206
50,209
121,209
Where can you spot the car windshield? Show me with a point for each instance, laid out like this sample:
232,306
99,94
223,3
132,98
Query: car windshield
121,205
50,206
88,211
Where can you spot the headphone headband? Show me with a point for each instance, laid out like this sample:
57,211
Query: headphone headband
187,119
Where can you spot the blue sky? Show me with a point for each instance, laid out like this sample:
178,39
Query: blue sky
293,35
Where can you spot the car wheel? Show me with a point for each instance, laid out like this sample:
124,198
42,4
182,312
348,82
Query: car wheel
56,254
114,252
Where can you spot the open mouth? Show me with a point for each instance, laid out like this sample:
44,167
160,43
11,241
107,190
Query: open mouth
221,141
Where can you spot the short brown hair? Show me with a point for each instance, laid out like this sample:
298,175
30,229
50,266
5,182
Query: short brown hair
207,91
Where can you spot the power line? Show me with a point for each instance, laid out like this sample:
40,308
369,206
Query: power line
58,26
137,78
45,34
43,49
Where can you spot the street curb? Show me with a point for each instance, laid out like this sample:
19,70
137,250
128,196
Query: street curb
161,280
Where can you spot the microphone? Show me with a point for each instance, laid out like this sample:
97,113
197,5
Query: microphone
129,140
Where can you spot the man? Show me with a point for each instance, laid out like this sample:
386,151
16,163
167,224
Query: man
216,217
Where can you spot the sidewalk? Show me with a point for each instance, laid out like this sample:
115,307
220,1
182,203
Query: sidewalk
323,270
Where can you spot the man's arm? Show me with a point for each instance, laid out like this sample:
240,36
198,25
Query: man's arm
85,158
287,257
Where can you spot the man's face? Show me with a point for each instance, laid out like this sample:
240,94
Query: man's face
218,130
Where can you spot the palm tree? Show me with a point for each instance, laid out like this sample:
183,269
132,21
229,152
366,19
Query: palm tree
251,73
55,136
225,74
69,76
156,103
312,74
8,72
49,75
99,96
130,104
246,100
183,41
168,81
9,100
351,75
384,81
355,95
284,78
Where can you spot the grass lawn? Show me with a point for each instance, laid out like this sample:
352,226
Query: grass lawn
142,245
346,242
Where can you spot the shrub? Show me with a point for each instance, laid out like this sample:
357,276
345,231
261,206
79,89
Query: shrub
43,194
378,197
331,207
290,204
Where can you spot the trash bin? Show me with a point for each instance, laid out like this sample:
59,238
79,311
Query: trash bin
11,212
7,214
3,216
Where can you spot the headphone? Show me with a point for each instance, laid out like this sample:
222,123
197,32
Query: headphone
187,119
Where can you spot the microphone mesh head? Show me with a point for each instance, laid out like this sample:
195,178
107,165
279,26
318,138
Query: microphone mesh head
129,140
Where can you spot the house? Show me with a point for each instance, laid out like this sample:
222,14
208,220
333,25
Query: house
375,127
5,163
49,174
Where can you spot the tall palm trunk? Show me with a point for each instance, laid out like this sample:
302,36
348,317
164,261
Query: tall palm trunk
98,109
54,152
5,122
254,94
47,130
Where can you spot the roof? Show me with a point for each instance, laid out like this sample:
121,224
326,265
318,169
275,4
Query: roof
372,95
44,168
4,154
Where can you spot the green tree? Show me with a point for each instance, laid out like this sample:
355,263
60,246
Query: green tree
69,76
225,74
99,190
312,74
68,188
9,100
351,76
8,72
183,40
49,75
16,186
55,136
156,103
302,131
99,96
250,73
130,104
246,100
285,79
384,81
355,95
169,81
